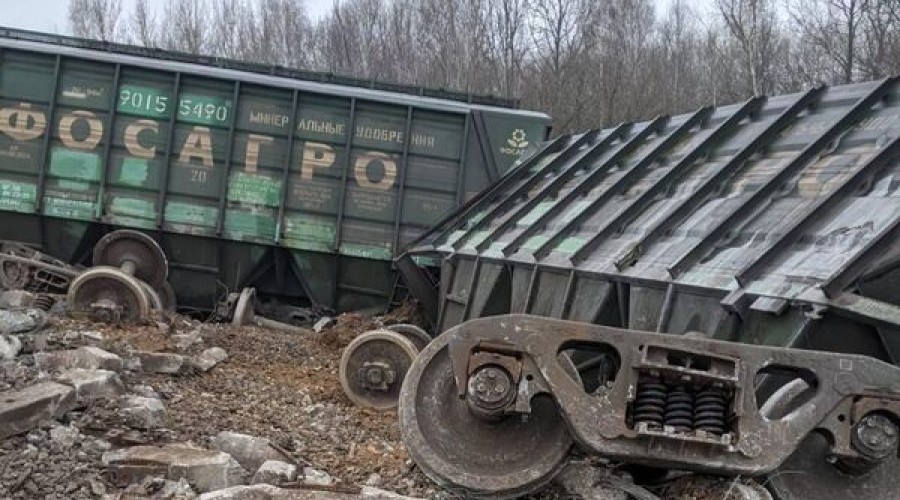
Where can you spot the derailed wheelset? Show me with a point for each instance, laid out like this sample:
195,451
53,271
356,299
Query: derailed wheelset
489,408
127,282
375,363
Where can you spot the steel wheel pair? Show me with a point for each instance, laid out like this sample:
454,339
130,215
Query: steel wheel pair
374,364
512,457
127,282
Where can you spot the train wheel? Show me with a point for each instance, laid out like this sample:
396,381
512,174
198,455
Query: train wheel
152,297
108,294
504,458
415,334
373,367
135,253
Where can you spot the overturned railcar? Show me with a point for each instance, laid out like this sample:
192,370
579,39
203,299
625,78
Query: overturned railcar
303,185
772,222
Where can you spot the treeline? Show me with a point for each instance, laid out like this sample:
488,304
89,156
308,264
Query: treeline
588,63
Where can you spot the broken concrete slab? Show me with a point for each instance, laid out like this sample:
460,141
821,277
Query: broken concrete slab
16,299
87,357
159,488
205,470
210,358
315,477
183,341
145,391
65,435
249,451
10,346
21,411
159,362
90,385
142,412
372,492
22,321
269,492
274,472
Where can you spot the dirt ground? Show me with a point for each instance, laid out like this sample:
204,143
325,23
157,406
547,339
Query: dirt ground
275,384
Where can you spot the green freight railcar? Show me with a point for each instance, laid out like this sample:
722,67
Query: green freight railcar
304,185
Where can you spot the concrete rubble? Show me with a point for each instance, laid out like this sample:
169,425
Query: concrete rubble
195,410
316,477
85,357
16,299
91,385
21,321
143,412
209,358
269,492
205,470
10,346
21,411
250,451
274,472
158,362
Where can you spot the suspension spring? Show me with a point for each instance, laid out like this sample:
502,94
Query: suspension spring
679,410
44,302
709,411
650,403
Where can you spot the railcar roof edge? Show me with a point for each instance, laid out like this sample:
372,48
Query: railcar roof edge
199,68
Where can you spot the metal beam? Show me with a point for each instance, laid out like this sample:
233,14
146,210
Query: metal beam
342,196
623,181
851,270
816,210
709,186
507,197
45,157
404,168
448,222
107,146
226,171
167,166
506,207
643,200
463,154
623,150
730,220
574,158
286,171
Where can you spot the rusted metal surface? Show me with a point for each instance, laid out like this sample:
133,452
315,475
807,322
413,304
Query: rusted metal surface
374,365
25,268
128,280
771,221
686,403
135,253
246,176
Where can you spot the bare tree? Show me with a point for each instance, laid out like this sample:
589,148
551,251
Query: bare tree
752,24
588,63
98,19
834,28
142,27
186,26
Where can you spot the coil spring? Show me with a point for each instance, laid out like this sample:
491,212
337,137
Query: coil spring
650,403
680,410
44,302
709,411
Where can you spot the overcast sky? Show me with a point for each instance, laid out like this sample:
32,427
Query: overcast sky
50,15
